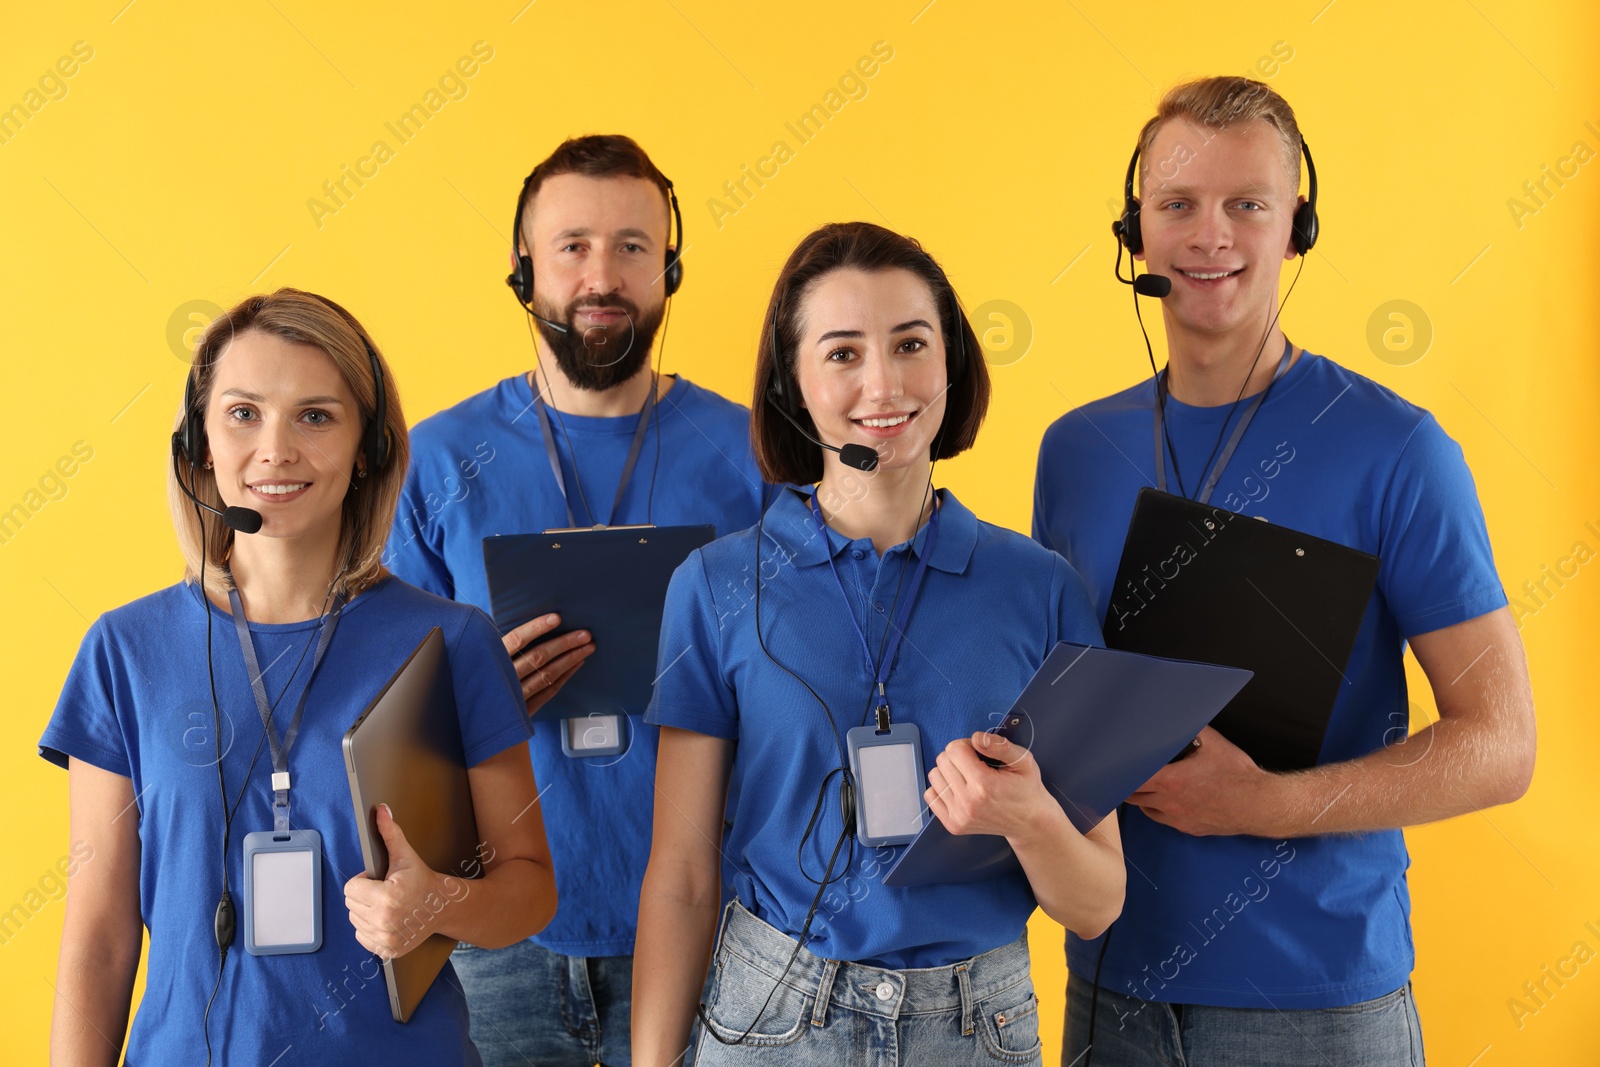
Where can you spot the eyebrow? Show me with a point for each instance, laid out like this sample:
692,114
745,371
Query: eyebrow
304,401
904,326
580,231
1251,190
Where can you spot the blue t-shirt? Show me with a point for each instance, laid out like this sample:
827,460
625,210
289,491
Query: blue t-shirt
480,469
1243,921
991,607
138,703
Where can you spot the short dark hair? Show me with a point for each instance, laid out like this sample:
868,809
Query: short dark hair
608,155
782,451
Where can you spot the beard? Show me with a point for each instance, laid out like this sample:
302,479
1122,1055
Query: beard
601,357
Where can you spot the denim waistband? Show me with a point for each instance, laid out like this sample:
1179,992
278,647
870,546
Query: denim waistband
873,990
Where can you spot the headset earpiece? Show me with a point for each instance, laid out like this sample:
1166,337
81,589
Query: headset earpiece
673,270
1306,224
521,279
778,392
1126,228
189,439
375,439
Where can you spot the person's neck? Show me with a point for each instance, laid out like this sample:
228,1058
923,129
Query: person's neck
890,512
1207,370
284,579
624,398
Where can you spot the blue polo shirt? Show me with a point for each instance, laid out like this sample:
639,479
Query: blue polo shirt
991,607
479,469
138,703
1242,921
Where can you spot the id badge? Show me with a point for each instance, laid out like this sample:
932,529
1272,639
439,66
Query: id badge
282,892
594,735
889,783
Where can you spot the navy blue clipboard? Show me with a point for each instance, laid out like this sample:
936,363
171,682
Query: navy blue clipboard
611,582
1100,722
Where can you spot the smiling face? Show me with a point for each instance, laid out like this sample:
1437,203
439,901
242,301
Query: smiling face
1216,215
282,433
871,363
599,251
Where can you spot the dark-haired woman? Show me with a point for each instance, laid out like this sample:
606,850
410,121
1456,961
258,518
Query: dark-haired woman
867,603
162,721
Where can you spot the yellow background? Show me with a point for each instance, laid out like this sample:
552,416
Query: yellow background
178,165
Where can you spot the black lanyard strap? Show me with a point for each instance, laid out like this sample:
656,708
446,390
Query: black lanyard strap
1233,442
258,686
546,432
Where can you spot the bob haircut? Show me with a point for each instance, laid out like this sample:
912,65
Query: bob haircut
369,504
782,452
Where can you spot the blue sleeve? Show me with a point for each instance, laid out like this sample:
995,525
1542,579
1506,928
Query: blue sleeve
691,690
1041,532
1075,617
85,725
1437,568
415,552
488,695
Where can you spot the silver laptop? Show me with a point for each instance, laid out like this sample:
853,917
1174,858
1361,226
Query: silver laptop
405,751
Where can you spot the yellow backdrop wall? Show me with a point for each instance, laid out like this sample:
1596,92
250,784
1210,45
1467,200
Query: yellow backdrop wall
158,159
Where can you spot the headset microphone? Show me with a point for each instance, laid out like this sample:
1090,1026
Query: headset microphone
242,520
860,457
1156,285
556,326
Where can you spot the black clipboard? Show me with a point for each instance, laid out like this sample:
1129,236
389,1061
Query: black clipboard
1100,722
611,581
1198,582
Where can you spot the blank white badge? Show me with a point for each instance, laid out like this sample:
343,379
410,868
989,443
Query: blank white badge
285,898
891,790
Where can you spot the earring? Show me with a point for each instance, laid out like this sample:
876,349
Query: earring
361,473
206,464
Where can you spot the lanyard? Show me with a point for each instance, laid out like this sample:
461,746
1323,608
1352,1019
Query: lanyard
280,752
555,461
1233,442
882,669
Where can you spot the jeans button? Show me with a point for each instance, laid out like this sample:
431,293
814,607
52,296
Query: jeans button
885,990
879,607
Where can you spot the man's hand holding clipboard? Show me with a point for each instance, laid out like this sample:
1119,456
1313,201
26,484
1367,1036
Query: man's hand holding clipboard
545,666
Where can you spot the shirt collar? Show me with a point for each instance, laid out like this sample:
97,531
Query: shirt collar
790,526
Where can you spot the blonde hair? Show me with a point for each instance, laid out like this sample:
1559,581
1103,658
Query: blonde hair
1217,103
369,505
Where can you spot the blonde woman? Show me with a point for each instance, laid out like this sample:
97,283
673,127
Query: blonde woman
291,430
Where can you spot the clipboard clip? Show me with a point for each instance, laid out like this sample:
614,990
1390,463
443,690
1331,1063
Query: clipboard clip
599,526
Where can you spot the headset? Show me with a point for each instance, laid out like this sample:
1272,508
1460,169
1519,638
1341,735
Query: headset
521,277
1305,228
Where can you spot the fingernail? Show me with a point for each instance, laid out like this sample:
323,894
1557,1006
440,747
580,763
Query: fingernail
988,739
552,619
386,810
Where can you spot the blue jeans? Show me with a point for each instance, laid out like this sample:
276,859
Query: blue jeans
825,1012
529,1005
1129,1032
